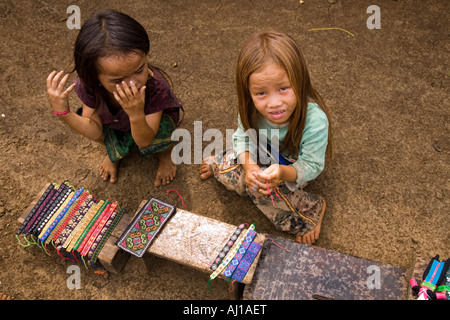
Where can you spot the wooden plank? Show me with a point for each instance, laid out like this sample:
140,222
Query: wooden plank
188,239
195,241
308,272
111,256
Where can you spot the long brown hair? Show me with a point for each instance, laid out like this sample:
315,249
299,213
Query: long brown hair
280,48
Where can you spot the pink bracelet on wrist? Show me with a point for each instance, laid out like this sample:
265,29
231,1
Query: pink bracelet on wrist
61,113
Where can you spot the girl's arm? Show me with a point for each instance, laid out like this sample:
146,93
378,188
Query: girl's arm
89,125
144,128
313,146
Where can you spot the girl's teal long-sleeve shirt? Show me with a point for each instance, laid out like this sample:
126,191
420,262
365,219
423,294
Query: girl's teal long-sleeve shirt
310,160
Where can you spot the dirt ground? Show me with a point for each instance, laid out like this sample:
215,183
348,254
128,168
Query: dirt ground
388,189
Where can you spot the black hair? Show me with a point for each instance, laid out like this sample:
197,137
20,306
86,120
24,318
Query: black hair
104,34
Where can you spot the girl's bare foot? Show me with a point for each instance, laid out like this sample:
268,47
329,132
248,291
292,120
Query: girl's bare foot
205,171
109,170
311,236
4,297
166,168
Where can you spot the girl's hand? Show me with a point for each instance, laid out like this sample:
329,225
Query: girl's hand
55,89
130,98
269,178
251,180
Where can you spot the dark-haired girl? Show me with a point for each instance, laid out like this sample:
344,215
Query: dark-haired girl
126,101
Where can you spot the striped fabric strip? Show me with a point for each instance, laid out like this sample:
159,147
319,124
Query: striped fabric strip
80,224
51,223
59,220
109,223
97,228
56,207
232,266
79,229
49,207
45,209
87,204
35,208
38,213
72,211
227,247
88,228
246,261
96,248
93,226
230,254
291,207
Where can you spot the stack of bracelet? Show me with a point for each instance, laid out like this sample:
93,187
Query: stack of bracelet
236,262
74,221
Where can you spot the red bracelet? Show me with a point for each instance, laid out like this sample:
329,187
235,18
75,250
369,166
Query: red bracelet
61,113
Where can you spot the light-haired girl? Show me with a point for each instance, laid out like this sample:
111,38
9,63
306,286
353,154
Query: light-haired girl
275,96
126,102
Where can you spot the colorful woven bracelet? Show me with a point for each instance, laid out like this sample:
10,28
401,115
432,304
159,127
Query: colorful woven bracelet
73,212
55,224
89,239
102,232
88,228
34,209
32,222
51,223
93,253
239,254
64,217
230,255
246,261
50,204
100,228
74,221
54,208
61,113
75,234
227,246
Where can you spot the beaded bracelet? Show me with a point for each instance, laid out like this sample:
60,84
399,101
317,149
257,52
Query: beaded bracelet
61,113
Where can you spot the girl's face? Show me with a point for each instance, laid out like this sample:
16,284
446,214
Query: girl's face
114,69
272,94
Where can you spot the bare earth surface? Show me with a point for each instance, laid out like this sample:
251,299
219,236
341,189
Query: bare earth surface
387,192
